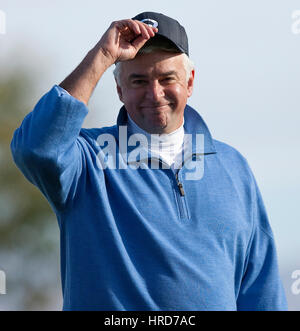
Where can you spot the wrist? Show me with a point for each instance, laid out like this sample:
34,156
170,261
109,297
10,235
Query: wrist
104,56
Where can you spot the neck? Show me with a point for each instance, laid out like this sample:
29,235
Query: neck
167,146
134,128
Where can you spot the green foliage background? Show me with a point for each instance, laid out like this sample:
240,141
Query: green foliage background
29,237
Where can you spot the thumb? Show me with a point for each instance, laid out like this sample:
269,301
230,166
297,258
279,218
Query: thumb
139,42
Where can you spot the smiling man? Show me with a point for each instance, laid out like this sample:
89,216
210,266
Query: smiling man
154,90
148,238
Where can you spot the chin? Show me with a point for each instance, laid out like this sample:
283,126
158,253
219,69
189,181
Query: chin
158,129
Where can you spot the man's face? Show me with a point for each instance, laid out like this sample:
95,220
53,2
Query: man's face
154,90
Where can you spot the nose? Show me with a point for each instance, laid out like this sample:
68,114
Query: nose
155,91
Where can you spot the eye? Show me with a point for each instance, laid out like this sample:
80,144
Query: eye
139,82
168,79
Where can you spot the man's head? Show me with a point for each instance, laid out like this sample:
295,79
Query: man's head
155,85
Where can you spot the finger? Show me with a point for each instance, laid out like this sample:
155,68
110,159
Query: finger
150,29
134,26
147,29
128,27
144,30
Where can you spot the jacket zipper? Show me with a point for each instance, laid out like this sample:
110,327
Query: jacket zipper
179,184
181,199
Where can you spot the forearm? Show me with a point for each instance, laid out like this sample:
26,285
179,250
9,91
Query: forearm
83,80
121,42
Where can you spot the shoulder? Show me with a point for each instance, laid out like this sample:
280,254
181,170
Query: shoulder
227,150
90,137
234,162
94,133
230,154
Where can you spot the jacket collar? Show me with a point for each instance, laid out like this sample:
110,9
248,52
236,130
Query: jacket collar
193,124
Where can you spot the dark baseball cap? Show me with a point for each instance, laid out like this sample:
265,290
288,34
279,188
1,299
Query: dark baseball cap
167,28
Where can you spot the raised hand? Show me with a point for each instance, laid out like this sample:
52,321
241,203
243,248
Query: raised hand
124,38
120,42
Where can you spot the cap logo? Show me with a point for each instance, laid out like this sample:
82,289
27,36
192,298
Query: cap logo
150,22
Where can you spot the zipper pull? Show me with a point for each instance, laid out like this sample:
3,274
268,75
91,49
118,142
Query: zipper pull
181,189
180,186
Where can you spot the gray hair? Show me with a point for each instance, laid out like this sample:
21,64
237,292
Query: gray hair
158,45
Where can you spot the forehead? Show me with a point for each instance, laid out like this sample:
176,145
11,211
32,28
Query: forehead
154,63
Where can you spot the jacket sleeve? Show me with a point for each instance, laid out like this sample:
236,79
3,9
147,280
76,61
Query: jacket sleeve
261,287
45,147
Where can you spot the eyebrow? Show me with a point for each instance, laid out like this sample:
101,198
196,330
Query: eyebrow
135,76
141,76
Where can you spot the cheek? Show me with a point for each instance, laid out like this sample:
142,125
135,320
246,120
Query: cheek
178,94
132,97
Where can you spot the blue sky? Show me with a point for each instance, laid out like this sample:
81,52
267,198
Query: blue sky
247,84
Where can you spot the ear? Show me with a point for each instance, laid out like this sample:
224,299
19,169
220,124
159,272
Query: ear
190,84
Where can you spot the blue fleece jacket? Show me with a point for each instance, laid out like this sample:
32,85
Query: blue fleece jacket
149,239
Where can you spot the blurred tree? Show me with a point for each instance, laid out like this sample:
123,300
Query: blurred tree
29,237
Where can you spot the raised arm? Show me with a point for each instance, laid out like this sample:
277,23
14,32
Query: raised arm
47,147
120,42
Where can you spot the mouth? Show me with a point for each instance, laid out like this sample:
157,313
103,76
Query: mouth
156,108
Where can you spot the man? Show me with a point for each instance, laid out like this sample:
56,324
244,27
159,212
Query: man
141,227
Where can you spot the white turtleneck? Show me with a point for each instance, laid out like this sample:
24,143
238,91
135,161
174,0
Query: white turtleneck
168,146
